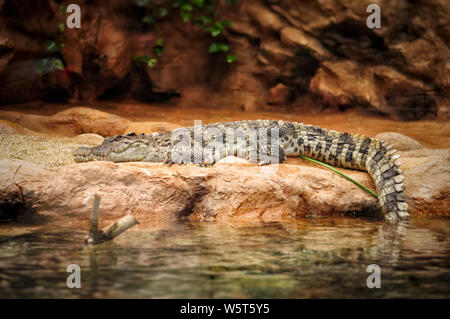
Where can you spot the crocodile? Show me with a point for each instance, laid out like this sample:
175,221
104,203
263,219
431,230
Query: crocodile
208,143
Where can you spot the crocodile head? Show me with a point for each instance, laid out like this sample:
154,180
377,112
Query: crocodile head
127,148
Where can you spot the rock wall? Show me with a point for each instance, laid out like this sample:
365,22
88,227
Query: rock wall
290,54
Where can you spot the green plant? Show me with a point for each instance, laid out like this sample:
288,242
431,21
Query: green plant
159,47
54,45
47,65
151,62
199,12
340,173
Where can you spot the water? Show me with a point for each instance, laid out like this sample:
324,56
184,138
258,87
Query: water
305,258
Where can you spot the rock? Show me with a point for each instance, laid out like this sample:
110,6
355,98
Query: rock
150,127
319,48
88,123
295,37
263,16
7,127
231,189
233,160
88,139
327,83
277,52
99,53
5,57
279,94
382,88
155,191
112,44
73,121
400,96
185,62
401,142
246,28
11,128
421,56
21,76
427,181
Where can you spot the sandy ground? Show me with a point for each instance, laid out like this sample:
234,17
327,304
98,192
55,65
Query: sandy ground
43,150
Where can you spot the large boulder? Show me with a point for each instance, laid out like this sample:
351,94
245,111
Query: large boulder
156,191
399,141
77,120
231,189
427,180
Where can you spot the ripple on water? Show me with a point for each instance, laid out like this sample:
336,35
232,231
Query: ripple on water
324,257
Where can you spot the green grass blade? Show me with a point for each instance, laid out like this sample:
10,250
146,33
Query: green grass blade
342,174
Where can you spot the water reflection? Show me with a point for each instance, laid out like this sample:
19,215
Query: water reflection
320,257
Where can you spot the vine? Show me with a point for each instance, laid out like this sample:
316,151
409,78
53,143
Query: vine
53,45
200,12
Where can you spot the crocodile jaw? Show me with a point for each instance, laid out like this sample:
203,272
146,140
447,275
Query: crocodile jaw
132,154
83,154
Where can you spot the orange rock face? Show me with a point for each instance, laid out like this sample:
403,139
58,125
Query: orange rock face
231,189
321,50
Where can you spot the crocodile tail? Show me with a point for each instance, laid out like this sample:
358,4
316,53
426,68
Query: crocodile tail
383,166
362,153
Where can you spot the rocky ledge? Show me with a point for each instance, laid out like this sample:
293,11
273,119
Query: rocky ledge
231,189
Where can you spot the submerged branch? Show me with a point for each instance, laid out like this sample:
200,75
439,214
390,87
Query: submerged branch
108,233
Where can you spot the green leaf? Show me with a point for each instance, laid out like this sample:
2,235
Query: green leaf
142,3
58,64
159,47
152,62
214,31
161,12
218,47
185,16
231,58
220,26
63,8
52,46
61,27
227,23
340,173
202,20
231,1
158,50
187,7
198,3
148,19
